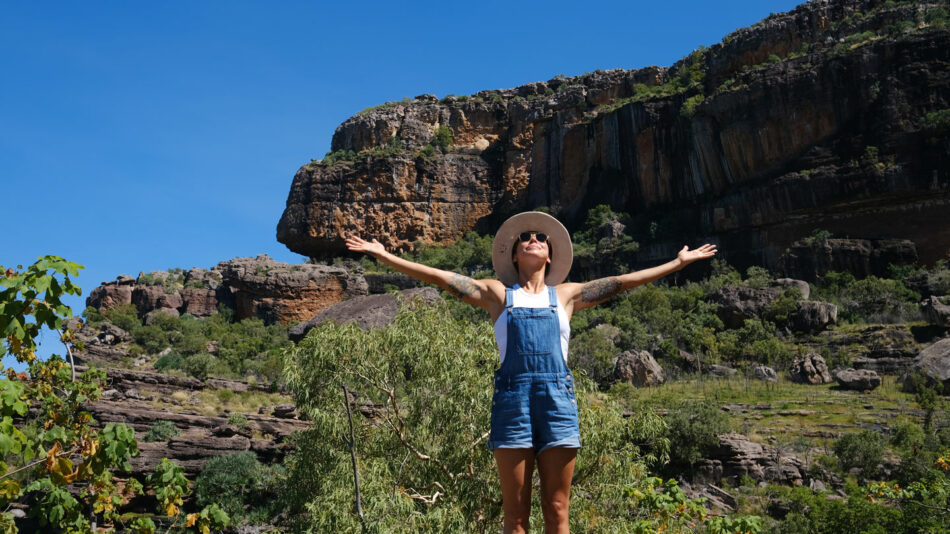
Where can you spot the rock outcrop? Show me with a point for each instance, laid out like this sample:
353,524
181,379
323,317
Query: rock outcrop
858,379
140,399
813,119
736,456
253,287
373,311
933,364
937,310
887,349
638,368
810,369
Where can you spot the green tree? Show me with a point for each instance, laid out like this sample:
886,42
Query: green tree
419,396
54,456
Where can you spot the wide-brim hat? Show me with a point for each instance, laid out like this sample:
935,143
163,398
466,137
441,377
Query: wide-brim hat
532,221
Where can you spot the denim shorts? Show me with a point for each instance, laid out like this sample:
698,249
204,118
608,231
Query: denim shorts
534,411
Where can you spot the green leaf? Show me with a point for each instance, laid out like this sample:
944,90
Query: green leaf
42,283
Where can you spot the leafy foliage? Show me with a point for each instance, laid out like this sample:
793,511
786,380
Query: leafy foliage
420,399
863,450
55,446
161,431
240,485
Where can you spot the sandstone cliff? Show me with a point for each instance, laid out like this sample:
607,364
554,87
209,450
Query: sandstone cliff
831,117
252,287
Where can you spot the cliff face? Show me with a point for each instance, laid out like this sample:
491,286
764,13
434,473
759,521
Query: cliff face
826,118
253,287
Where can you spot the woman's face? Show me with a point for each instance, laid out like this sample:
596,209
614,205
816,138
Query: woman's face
532,248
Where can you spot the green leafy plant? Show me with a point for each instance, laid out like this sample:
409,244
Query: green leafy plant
161,431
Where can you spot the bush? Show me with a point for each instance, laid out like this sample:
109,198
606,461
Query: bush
693,429
200,365
863,450
439,372
239,420
125,316
240,485
172,360
151,338
161,431
442,139
593,352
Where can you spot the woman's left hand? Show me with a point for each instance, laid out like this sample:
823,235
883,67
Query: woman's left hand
687,256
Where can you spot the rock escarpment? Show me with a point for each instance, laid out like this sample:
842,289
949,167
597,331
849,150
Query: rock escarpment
254,287
827,117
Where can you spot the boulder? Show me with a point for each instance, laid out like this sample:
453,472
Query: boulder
638,367
810,369
199,302
813,316
148,298
765,373
738,303
738,456
720,371
285,411
372,311
110,295
858,379
937,310
801,285
933,363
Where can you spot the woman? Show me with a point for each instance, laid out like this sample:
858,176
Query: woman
534,411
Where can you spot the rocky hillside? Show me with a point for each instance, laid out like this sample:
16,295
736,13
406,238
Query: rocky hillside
832,117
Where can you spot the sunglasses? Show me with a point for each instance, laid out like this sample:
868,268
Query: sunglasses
526,236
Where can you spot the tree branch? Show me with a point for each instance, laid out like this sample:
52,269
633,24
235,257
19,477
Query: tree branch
352,444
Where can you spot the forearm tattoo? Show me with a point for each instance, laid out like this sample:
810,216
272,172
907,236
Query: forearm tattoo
462,286
600,290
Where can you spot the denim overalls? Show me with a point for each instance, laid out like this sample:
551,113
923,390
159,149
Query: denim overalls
534,406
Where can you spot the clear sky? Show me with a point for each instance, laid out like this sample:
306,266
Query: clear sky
137,136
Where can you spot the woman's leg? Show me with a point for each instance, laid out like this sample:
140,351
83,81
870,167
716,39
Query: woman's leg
515,467
556,467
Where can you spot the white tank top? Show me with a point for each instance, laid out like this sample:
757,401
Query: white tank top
523,299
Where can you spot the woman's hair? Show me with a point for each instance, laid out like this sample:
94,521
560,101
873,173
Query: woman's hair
547,268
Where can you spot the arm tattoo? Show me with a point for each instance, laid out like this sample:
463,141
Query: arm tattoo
599,290
462,286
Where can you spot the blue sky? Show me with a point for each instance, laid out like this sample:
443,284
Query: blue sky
137,136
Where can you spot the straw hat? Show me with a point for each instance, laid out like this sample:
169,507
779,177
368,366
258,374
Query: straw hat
532,221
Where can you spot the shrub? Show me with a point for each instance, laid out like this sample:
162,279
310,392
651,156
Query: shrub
200,365
239,420
161,431
758,277
239,484
125,316
224,395
150,337
443,139
172,360
863,450
690,105
593,352
693,429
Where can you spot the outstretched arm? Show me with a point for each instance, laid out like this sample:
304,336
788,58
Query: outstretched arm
592,293
488,294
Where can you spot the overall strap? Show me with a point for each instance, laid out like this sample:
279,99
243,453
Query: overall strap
509,297
552,296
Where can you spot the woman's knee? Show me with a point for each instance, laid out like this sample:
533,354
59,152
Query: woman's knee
555,509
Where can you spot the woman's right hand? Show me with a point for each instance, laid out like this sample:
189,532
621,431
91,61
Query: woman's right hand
357,244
